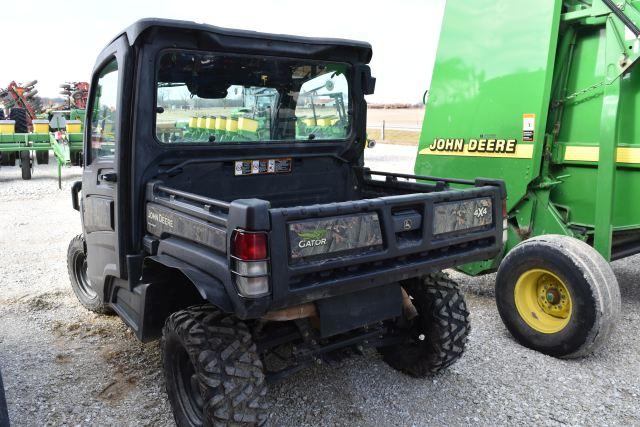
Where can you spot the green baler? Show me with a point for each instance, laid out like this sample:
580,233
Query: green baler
545,95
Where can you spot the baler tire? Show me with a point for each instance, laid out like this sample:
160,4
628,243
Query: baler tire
20,117
76,266
213,373
439,332
25,165
42,157
593,296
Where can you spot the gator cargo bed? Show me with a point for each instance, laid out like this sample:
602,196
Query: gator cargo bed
406,226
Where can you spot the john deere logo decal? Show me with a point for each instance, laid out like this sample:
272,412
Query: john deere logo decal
312,238
407,224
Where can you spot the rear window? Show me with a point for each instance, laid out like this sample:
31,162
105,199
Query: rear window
208,98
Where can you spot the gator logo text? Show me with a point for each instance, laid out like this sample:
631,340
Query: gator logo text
312,238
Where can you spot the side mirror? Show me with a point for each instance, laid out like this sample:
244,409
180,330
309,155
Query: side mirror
368,81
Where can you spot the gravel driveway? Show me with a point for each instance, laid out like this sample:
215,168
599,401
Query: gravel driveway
64,365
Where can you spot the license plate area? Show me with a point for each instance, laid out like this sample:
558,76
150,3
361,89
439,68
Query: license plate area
333,237
463,215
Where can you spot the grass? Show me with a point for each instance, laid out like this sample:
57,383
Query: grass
400,137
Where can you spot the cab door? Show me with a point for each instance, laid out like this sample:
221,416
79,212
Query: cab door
100,178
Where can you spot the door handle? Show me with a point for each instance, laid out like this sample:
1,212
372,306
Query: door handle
108,177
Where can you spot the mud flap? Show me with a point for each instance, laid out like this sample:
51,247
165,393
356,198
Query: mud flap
347,312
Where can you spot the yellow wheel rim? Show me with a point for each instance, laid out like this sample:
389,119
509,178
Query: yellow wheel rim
543,301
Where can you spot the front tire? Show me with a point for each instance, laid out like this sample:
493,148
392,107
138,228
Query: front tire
558,295
438,334
213,373
25,165
80,283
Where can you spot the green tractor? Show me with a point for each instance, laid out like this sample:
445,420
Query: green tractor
545,96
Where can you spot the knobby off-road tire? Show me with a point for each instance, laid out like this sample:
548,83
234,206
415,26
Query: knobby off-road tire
580,318
77,267
213,373
439,332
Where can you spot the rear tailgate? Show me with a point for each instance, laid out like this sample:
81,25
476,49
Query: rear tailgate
330,249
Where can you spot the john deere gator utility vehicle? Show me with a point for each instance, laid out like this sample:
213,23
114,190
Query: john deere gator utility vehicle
257,251
545,95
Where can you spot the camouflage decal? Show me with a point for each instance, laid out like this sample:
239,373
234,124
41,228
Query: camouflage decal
462,215
162,221
317,237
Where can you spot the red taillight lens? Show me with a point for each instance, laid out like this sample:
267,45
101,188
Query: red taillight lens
249,246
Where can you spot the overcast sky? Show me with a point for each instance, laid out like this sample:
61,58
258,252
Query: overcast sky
55,42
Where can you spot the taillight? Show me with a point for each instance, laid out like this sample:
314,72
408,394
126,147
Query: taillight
249,246
249,255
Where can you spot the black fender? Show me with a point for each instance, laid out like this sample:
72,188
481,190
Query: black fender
209,287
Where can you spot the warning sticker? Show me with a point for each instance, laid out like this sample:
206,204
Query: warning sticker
262,166
528,127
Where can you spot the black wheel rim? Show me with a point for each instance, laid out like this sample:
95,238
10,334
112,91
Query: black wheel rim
187,388
80,273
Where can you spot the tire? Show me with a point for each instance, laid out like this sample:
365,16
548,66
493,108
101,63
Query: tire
77,267
42,157
558,295
4,412
20,116
215,354
25,165
439,333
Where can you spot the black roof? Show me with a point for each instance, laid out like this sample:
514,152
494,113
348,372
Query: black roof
138,28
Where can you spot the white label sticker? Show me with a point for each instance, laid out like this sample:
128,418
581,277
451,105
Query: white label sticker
255,166
528,121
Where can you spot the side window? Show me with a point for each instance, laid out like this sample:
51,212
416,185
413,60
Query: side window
103,112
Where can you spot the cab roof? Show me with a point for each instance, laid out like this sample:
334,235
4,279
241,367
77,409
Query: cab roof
138,29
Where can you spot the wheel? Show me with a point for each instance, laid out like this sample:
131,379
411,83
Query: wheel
213,373
25,165
20,117
438,333
42,157
77,267
557,295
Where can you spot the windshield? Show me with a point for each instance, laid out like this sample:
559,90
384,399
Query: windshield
222,98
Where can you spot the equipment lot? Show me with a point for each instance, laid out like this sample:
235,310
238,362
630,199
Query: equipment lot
64,365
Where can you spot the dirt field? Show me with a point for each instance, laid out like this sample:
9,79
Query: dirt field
63,365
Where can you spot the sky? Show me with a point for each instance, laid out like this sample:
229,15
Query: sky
54,42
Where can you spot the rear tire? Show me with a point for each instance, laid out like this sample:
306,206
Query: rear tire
439,333
20,117
77,267
213,373
558,295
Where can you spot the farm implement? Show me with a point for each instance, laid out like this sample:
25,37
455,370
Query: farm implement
27,134
549,104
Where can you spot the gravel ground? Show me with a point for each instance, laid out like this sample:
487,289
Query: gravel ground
64,365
